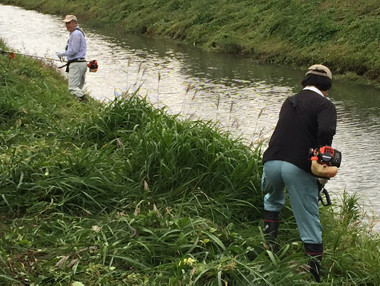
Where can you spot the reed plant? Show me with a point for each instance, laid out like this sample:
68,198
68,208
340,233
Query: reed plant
125,194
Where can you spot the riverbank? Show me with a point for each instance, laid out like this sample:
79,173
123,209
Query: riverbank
125,194
341,34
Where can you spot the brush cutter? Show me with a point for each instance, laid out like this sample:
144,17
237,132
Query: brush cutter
92,65
325,162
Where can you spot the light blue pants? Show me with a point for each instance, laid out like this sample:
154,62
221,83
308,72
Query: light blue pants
303,195
77,76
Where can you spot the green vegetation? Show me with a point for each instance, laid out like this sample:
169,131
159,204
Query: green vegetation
124,194
343,34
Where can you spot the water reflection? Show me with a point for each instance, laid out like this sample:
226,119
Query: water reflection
243,96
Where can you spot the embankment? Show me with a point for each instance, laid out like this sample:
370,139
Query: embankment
342,34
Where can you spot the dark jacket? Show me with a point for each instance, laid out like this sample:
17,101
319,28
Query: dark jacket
307,120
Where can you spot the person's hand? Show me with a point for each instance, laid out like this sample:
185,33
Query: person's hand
59,56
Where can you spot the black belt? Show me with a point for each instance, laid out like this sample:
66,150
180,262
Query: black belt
72,61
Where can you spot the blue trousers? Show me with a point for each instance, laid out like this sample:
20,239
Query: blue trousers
303,195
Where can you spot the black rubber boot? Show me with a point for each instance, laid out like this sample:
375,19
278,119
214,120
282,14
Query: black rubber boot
314,252
271,224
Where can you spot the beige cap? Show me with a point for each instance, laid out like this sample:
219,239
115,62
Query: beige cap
319,70
70,18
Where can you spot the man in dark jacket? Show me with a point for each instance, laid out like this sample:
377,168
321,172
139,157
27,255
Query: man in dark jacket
307,120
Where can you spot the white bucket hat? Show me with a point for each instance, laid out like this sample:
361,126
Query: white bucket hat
319,70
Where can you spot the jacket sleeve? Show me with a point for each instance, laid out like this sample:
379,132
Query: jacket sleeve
327,118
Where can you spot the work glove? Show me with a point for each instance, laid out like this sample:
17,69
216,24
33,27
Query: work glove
59,55
323,171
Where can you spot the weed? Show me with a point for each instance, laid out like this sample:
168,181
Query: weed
123,193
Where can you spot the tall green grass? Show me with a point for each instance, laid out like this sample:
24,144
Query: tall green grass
124,194
128,145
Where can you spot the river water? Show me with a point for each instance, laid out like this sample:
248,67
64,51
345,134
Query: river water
242,96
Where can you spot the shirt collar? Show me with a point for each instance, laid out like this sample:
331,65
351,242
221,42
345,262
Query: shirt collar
313,88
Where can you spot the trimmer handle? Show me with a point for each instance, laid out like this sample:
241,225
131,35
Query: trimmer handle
323,191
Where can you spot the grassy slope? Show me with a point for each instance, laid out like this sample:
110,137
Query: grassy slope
124,193
341,34
153,181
